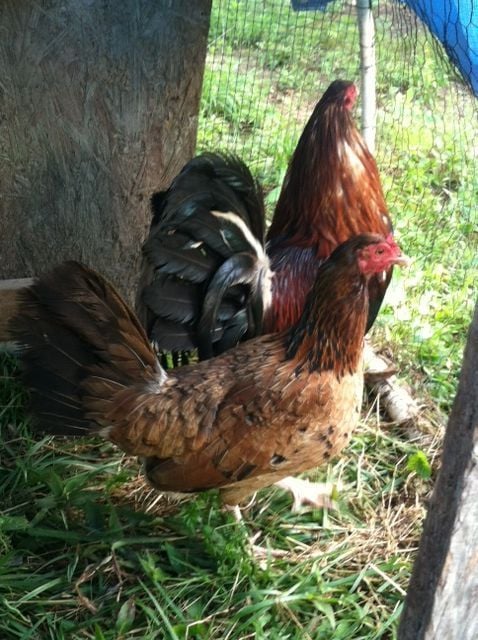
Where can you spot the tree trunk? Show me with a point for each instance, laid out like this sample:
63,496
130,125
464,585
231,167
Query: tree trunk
442,598
98,108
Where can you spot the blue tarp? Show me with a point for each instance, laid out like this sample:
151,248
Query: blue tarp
453,22
309,5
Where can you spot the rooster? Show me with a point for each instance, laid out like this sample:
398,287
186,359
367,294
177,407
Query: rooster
207,281
331,192
274,405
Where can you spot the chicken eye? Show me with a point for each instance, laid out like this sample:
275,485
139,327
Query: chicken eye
379,252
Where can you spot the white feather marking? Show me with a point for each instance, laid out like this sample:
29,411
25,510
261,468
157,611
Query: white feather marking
246,232
267,288
264,272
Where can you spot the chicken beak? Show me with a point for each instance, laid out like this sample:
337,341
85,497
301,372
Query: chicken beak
402,261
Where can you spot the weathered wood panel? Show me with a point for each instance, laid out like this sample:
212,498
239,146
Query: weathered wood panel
442,599
8,303
98,107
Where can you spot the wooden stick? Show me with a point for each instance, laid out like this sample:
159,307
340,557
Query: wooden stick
368,71
397,402
8,303
442,600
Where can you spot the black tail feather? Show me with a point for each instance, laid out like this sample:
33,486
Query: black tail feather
204,259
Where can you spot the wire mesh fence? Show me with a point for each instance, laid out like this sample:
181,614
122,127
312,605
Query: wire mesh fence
268,65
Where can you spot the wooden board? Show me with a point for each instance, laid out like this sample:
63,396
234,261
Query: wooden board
8,302
442,599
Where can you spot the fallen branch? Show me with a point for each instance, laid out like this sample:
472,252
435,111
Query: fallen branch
393,396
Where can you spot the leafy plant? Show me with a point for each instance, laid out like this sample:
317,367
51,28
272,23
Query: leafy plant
418,463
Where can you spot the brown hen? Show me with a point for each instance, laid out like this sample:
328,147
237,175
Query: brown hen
273,406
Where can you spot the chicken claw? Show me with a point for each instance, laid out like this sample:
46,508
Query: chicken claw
306,494
259,553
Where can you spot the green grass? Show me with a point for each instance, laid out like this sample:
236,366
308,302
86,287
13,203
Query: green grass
87,551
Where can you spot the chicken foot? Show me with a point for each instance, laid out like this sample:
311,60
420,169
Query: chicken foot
256,550
317,495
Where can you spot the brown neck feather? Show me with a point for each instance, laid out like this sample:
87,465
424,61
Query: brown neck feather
332,189
329,336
